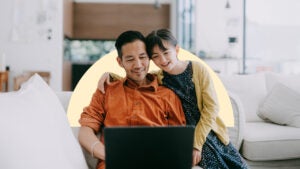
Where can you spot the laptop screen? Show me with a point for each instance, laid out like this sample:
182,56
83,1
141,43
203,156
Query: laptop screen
149,147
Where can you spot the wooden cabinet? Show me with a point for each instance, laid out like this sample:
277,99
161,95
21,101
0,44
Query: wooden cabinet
68,18
108,20
4,81
67,75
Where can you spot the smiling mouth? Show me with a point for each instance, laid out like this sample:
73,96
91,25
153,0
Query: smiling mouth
166,64
138,71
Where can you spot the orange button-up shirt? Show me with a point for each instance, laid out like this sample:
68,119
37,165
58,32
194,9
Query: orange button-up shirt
126,104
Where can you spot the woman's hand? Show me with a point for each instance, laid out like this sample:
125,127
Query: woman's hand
196,156
104,79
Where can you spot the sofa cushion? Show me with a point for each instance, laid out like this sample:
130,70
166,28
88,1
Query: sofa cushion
34,130
292,81
281,106
251,90
267,141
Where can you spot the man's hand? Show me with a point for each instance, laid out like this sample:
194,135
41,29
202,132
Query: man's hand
196,156
104,79
99,151
91,143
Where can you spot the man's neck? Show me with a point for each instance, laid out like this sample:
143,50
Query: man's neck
145,82
142,83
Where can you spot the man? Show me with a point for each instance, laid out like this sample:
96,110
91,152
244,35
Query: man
136,100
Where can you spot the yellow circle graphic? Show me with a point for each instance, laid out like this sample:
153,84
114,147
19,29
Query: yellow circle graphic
87,85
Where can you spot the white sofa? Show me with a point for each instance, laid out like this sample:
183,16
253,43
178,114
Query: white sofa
267,144
36,115
34,128
263,144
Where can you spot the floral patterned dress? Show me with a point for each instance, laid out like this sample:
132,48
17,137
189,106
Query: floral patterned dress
215,155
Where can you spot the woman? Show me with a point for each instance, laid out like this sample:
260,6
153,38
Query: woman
192,83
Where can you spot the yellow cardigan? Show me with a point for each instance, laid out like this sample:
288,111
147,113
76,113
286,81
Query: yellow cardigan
208,105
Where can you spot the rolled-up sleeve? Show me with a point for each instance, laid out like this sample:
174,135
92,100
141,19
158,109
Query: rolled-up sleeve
94,114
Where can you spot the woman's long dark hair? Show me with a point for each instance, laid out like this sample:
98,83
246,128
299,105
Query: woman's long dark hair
156,37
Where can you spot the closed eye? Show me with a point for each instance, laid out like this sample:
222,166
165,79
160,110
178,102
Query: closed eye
129,60
154,56
142,56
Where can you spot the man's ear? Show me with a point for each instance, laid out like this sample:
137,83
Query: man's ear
119,60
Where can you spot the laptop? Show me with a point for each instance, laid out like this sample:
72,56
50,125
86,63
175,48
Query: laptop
149,147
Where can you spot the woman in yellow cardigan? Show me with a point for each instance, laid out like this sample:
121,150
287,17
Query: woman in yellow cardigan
194,86
192,83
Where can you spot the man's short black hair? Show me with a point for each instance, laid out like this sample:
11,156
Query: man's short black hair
128,37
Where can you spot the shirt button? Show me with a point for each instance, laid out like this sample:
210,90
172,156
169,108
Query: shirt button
166,116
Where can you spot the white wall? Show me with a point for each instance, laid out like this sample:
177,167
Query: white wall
28,48
273,36
215,23
274,12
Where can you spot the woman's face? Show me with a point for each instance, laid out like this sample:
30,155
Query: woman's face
165,59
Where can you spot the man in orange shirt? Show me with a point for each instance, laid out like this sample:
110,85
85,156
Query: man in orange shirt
136,100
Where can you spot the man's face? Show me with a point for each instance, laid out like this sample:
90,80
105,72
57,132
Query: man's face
135,61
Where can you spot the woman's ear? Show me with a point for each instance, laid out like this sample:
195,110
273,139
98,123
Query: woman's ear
177,49
119,60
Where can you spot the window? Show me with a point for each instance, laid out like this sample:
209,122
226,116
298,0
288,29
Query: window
186,24
86,50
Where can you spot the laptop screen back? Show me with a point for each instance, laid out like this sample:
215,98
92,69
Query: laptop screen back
149,147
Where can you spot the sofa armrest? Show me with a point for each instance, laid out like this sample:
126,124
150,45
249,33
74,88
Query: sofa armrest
64,97
91,162
236,133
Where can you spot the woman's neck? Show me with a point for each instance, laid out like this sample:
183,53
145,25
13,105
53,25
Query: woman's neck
179,67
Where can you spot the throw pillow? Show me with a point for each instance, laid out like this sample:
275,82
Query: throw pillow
291,81
281,106
34,130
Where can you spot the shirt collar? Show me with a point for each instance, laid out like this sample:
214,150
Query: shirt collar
152,86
